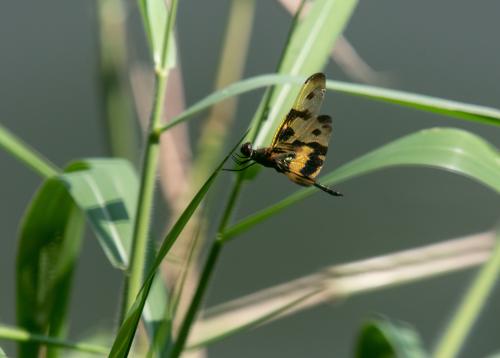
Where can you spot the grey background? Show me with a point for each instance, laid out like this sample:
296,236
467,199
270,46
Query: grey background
49,97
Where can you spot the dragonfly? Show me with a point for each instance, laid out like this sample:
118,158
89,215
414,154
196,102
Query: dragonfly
299,146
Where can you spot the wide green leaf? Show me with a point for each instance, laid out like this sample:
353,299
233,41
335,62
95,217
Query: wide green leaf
49,245
106,190
449,149
471,112
307,52
126,333
381,338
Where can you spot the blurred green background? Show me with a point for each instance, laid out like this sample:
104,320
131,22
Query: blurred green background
49,96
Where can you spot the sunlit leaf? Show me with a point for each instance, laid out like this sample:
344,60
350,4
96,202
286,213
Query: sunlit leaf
454,109
449,149
307,52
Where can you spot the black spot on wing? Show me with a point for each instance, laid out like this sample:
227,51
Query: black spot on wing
312,165
305,115
286,134
324,119
316,132
318,149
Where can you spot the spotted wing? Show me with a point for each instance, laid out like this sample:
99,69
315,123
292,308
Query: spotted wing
300,120
304,134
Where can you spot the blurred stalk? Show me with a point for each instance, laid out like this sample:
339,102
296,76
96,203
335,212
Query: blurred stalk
140,238
231,67
339,282
117,110
472,303
215,130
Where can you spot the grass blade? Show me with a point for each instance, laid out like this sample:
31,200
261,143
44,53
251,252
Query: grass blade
27,155
21,335
307,52
472,303
470,112
383,338
155,17
455,109
125,335
449,149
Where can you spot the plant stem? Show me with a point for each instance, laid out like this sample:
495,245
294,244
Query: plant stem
27,155
470,307
146,191
21,335
145,202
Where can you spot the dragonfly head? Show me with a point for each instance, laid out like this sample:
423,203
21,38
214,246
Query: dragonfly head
246,149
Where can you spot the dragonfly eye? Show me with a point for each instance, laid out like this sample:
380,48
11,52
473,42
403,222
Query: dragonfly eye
246,149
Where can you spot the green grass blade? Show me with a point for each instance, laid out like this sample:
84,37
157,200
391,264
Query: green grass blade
126,333
26,154
154,17
21,335
470,112
307,52
474,300
383,338
449,149
49,245
235,89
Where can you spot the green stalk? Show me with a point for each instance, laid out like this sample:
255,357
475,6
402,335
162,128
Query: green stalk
27,155
21,335
146,191
470,307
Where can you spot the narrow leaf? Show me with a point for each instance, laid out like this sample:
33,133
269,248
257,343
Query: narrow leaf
382,338
449,149
455,109
307,52
470,112
154,17
26,154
